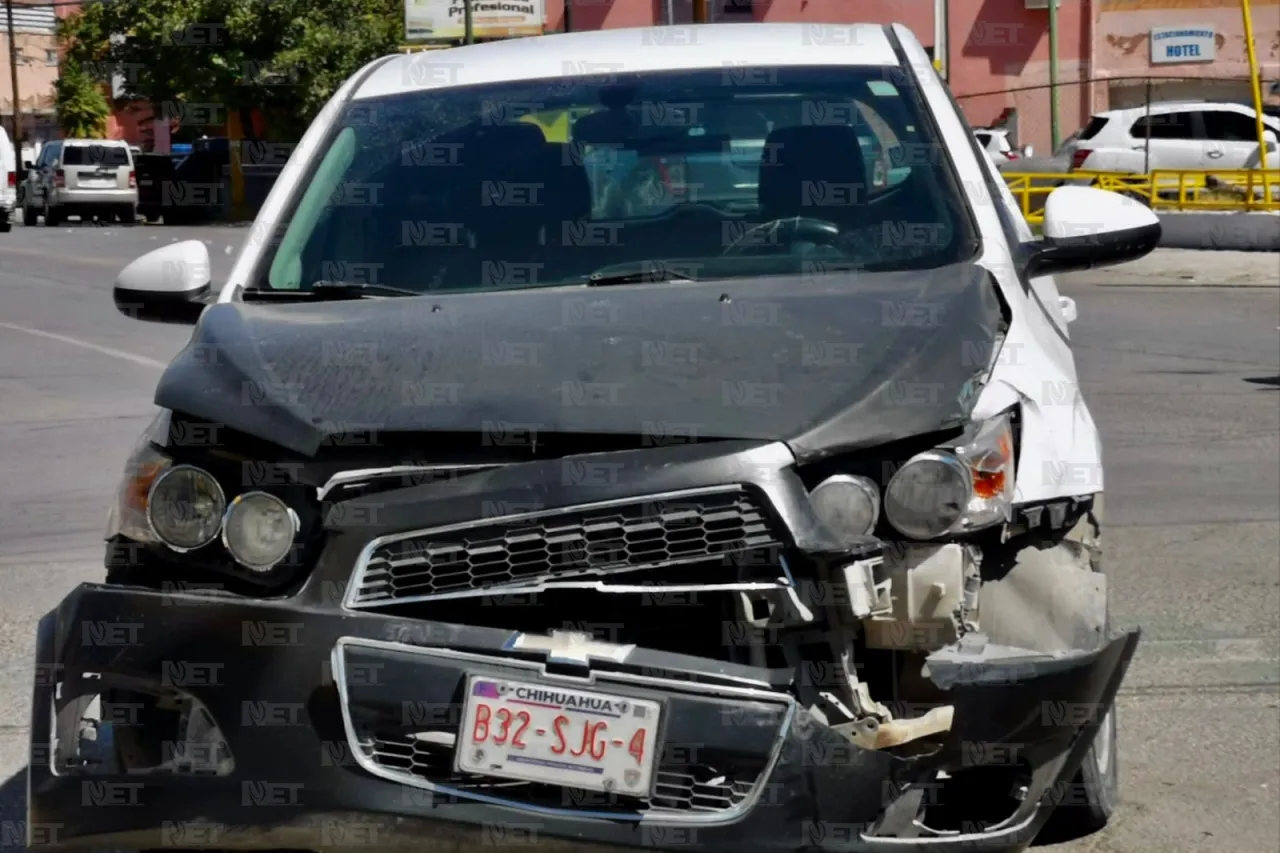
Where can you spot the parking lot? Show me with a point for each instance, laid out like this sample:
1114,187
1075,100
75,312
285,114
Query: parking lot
1183,376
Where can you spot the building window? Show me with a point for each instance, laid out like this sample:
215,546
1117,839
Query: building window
51,57
738,7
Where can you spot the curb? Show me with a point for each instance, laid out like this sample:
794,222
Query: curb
1237,232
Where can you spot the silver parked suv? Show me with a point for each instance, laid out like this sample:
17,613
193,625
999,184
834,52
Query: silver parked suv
89,178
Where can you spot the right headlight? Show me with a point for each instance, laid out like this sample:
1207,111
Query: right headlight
184,507
955,490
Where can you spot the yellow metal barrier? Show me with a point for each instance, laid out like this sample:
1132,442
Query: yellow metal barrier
1163,189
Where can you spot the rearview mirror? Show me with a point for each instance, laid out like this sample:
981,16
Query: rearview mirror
1085,227
167,285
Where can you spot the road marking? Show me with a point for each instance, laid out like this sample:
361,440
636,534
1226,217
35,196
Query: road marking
63,258
76,342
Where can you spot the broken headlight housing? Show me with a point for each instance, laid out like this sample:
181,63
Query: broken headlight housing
956,489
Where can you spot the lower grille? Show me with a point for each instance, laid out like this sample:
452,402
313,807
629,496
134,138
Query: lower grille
564,545
679,788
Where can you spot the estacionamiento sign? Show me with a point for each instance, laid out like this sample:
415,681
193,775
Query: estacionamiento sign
439,20
1183,44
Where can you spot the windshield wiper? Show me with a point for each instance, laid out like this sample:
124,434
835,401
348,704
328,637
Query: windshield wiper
650,275
359,289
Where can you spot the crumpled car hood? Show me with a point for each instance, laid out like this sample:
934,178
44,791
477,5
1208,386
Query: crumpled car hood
826,363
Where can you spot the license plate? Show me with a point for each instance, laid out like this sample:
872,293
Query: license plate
573,738
97,183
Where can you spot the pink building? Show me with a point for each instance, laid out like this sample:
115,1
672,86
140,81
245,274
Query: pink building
1124,58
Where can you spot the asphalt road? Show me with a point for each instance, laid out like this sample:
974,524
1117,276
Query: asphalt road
1184,380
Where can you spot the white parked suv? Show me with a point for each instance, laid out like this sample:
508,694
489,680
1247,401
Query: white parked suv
997,143
1183,135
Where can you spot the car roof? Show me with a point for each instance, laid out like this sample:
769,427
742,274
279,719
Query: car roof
635,49
119,142
1173,106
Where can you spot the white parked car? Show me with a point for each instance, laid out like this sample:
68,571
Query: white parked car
1194,135
667,530
997,142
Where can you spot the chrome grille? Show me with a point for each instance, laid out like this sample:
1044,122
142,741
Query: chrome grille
563,545
678,788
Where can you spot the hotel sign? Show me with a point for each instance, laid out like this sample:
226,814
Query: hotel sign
1183,44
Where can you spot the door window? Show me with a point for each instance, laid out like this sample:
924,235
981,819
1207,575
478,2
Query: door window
1167,126
1224,126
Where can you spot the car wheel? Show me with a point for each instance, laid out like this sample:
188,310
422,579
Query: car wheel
52,216
128,216
29,215
6,224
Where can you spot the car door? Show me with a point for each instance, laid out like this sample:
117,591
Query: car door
1231,140
41,176
1177,141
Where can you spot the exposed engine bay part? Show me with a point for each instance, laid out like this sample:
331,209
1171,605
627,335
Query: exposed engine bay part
937,721
934,597
1047,595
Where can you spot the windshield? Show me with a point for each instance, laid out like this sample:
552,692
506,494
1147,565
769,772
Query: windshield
546,183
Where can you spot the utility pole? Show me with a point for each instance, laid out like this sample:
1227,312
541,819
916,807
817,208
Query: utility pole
13,72
568,16
468,26
1053,76
1256,83
700,15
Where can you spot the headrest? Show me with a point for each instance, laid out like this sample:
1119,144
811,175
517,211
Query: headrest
812,170
544,186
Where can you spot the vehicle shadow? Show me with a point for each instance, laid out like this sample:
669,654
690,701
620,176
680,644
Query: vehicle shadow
13,812
1267,381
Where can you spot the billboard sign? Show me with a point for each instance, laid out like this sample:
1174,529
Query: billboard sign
445,20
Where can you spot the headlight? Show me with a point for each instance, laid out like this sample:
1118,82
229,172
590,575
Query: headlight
928,495
958,490
849,506
185,507
259,530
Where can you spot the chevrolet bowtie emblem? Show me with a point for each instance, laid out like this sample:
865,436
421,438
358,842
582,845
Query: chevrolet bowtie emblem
569,647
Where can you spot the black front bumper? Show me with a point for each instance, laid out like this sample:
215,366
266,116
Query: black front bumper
288,684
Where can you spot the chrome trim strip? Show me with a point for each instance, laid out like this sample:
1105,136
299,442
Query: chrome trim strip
346,478
362,560
337,661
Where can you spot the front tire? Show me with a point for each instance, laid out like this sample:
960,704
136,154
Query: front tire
52,216
30,216
128,215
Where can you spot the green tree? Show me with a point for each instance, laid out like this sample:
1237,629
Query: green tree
82,108
199,60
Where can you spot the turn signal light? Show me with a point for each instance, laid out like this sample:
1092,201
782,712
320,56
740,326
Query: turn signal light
59,178
1080,155
13,179
133,180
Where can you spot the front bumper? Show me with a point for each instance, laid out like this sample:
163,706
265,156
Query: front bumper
300,779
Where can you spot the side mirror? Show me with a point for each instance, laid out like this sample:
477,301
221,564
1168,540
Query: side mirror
26,164
1269,136
167,285
1085,227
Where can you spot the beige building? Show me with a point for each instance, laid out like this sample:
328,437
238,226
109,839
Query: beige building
37,49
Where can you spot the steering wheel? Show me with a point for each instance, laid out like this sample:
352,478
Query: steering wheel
784,232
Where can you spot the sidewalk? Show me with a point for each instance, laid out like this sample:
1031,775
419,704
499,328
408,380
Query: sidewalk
1189,268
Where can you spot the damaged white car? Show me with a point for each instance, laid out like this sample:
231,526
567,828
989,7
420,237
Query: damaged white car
476,515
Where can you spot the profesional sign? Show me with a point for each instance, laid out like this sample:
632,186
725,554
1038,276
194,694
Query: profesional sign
446,19
1183,44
